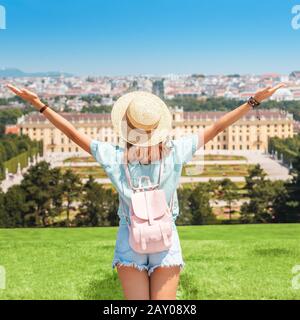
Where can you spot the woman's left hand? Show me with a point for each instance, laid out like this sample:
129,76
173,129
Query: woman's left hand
266,93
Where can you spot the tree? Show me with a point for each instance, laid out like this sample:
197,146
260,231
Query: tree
41,185
2,210
294,187
262,193
71,187
95,205
185,216
112,198
200,207
228,192
16,207
287,203
255,177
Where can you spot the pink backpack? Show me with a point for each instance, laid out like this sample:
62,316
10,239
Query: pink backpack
150,228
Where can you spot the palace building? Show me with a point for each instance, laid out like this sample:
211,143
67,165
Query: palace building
248,133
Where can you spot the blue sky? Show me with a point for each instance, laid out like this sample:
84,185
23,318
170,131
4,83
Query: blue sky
121,37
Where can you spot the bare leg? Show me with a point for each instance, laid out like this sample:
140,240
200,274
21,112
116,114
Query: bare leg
135,283
164,282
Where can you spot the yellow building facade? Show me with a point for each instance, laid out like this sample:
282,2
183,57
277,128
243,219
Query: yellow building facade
248,133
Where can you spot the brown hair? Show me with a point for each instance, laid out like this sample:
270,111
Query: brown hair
146,155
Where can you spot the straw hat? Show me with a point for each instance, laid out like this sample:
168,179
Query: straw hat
141,118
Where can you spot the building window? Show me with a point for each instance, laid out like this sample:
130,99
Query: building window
212,147
247,138
241,147
224,138
241,138
218,147
224,147
248,147
76,149
258,147
70,149
106,139
52,149
62,140
62,150
233,147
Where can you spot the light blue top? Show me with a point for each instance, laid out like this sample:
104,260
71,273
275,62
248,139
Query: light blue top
110,157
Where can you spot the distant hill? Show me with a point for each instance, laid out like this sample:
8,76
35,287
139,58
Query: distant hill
16,73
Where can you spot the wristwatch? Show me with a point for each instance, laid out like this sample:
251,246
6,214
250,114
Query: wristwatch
253,102
43,108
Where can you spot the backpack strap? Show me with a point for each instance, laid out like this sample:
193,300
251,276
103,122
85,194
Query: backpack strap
127,173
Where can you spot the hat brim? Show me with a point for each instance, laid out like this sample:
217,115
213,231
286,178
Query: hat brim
140,137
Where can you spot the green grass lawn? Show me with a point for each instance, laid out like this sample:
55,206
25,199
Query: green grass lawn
96,171
217,170
216,157
225,170
81,159
222,262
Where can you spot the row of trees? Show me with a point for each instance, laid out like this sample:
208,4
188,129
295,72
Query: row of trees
10,115
285,148
224,104
45,194
13,146
210,104
48,197
268,201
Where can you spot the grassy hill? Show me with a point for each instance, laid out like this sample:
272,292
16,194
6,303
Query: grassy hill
222,262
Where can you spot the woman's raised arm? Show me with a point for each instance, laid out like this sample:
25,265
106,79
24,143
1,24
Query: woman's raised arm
58,121
231,117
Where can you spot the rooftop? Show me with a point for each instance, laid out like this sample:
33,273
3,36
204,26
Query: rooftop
95,117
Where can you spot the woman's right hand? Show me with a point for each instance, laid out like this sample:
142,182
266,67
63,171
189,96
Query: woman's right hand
26,95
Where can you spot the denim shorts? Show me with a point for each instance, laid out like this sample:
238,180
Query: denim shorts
124,255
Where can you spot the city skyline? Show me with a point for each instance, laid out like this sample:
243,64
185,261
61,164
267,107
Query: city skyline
122,38
54,73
